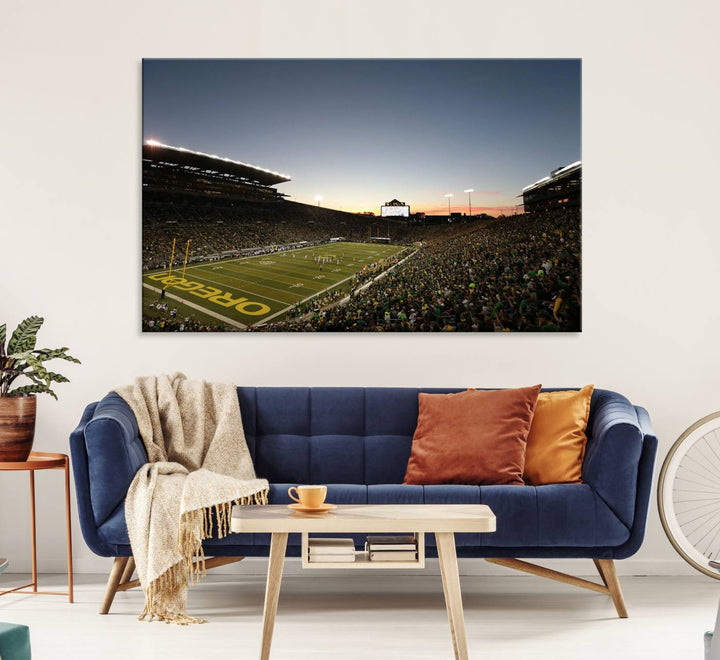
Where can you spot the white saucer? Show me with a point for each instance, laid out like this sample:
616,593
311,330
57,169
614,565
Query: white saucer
323,508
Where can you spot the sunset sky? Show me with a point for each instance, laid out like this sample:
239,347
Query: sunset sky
362,132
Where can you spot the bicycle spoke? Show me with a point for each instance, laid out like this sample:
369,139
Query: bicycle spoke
684,512
704,475
689,494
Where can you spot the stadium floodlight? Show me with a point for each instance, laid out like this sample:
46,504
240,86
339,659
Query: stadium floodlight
318,199
568,167
155,143
449,195
537,183
469,191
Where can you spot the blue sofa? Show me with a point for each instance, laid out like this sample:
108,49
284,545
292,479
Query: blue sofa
357,440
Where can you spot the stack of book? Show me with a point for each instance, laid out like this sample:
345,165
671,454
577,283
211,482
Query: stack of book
331,550
391,548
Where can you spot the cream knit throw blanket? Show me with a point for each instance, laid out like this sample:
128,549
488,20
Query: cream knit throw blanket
199,466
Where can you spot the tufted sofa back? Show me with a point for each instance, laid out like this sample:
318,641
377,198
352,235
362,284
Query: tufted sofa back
348,435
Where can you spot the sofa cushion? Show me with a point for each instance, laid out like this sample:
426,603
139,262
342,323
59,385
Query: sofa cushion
555,516
473,437
556,442
114,531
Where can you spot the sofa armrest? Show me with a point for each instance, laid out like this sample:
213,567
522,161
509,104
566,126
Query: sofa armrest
612,458
645,483
79,457
114,454
644,421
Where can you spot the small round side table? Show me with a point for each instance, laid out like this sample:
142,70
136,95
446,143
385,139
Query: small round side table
40,460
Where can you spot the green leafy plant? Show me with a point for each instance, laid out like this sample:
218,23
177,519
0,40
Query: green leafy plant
21,358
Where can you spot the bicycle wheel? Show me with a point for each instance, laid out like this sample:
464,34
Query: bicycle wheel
689,495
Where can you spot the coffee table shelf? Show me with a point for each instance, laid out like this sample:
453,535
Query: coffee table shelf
362,558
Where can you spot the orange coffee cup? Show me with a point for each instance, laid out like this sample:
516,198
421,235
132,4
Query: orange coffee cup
308,496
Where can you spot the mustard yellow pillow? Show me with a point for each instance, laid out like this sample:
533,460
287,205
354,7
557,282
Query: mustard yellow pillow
556,442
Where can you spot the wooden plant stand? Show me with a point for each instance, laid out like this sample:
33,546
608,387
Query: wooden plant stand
39,460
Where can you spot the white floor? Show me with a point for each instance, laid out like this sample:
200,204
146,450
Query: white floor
376,616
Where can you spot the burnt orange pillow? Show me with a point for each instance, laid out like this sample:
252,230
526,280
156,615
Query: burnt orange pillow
471,437
556,443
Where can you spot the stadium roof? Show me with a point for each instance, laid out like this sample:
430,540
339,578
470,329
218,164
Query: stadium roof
156,151
556,174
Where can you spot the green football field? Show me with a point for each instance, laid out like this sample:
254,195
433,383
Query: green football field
247,291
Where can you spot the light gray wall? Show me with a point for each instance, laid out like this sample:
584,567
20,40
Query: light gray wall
70,209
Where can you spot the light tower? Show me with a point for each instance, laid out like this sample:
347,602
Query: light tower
318,199
449,195
469,191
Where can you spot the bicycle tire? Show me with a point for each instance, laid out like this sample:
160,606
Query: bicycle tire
688,495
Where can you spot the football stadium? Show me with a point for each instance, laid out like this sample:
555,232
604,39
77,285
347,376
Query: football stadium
225,250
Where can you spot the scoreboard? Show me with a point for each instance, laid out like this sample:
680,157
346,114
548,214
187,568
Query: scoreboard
395,211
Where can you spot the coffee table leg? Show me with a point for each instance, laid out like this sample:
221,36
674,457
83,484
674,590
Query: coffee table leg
451,586
278,544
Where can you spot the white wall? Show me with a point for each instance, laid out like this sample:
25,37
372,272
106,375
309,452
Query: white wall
70,209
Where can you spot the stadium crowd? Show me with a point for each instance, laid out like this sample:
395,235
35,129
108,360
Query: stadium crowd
515,273
520,273
217,228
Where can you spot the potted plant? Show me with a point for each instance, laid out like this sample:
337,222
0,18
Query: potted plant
17,406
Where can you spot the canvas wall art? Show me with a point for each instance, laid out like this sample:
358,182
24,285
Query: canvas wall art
361,195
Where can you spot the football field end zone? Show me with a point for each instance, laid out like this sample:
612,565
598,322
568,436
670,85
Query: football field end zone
287,305
199,308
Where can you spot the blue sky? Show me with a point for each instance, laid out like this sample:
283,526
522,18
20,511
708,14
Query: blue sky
362,132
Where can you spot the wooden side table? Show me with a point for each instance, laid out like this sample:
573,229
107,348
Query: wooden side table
40,460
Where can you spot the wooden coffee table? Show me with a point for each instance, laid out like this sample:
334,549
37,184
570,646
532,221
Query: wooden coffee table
443,520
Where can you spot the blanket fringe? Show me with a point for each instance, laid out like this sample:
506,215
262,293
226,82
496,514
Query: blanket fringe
162,593
166,589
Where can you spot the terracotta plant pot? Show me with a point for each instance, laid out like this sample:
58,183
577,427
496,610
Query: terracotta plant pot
17,427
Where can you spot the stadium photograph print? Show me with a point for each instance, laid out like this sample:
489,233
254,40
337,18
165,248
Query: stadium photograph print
361,195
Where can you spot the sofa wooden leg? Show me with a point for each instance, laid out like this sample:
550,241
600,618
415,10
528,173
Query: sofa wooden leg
602,575
129,570
606,568
116,573
541,571
125,566
215,562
